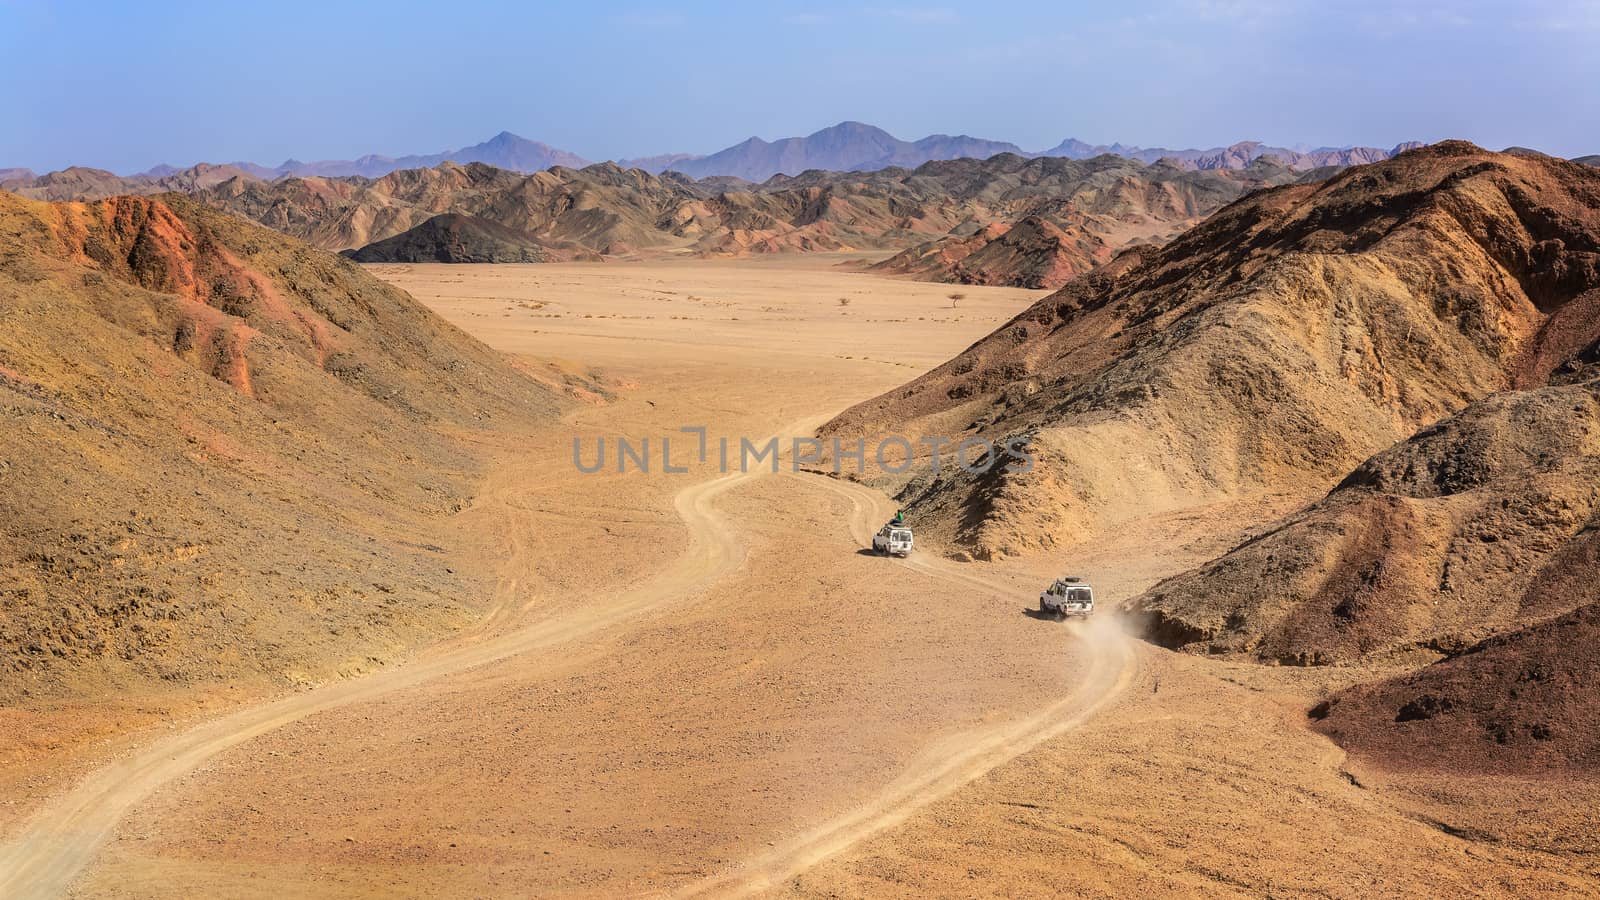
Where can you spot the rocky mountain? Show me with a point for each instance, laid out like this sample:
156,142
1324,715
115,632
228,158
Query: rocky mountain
597,207
1470,547
854,146
190,403
1234,156
848,146
1422,336
1522,703
344,213
97,184
1079,221
1589,160
1478,525
1488,523
604,209
75,183
503,151
1271,349
1034,252
1078,213
457,238
655,165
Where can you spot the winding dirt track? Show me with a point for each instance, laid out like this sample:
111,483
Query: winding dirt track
936,772
64,837
948,764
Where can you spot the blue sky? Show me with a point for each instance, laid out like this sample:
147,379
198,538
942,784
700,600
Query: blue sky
124,86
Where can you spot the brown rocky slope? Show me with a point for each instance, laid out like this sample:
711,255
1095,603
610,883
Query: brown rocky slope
344,213
1031,253
1476,526
1077,215
1271,349
190,403
1522,703
1476,543
82,183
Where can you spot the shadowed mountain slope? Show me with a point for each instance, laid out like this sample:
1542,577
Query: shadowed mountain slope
1524,702
455,238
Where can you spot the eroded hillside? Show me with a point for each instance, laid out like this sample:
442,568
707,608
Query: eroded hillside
1271,349
225,452
1481,524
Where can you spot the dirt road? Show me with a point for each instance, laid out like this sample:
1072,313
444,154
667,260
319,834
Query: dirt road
947,765
63,839
937,772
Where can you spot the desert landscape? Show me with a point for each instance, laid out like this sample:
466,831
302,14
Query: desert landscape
835,515
698,683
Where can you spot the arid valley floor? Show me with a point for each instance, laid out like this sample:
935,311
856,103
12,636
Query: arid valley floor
700,684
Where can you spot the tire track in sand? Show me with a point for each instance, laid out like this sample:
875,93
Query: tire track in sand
62,838
947,764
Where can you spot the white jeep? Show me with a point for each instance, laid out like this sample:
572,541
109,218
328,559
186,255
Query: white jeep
892,540
1067,597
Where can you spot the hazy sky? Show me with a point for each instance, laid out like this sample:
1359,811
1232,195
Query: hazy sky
124,86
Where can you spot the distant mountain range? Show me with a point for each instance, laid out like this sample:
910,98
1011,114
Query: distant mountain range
1234,156
1008,219
854,146
990,214
504,151
847,146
